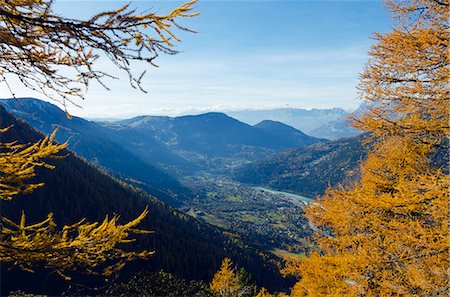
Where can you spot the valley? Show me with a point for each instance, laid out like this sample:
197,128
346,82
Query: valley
75,189
308,171
250,181
272,220
242,188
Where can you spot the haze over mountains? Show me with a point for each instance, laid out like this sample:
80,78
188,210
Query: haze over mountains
331,123
322,123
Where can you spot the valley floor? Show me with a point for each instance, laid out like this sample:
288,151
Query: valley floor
271,220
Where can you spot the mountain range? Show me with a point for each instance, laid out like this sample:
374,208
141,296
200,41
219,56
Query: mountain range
75,189
211,141
322,123
340,127
151,150
153,153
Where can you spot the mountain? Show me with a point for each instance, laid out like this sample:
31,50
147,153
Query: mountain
101,147
288,134
214,134
308,170
321,123
336,129
75,189
151,149
211,141
340,127
305,120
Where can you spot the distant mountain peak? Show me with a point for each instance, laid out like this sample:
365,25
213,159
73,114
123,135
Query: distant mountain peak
269,122
279,128
208,115
142,120
214,113
272,123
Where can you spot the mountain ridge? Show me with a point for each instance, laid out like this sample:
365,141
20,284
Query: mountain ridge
213,128
308,121
170,146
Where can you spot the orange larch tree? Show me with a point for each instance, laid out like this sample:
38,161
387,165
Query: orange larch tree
230,282
387,235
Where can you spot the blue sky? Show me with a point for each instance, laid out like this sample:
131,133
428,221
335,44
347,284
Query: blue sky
246,54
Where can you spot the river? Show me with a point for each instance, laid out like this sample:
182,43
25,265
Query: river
290,195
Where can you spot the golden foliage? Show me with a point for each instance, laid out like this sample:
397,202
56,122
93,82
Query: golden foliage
56,56
263,293
83,246
387,235
229,283
18,163
225,282
407,74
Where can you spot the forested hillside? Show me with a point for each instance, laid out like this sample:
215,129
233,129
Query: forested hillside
101,147
309,170
76,189
285,195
